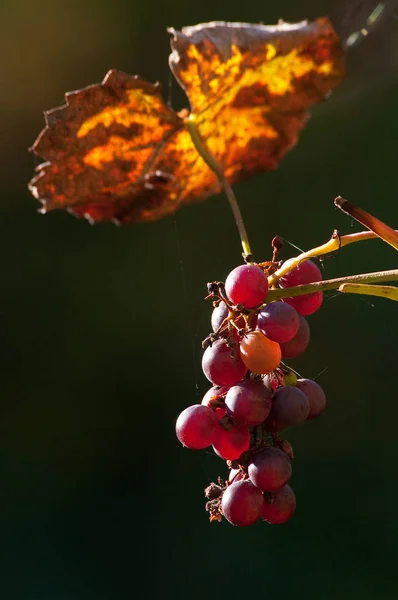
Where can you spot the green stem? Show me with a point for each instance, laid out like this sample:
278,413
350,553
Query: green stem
382,291
335,243
217,170
331,284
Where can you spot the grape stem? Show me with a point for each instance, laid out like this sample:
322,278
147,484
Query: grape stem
211,162
338,282
383,291
335,243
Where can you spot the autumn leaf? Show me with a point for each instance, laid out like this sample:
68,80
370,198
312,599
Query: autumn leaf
116,151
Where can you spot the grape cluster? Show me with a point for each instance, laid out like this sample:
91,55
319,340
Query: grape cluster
254,395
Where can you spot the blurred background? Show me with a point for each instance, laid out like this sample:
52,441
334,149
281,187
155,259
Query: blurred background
101,331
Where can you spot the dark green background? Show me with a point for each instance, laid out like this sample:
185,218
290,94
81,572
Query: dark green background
101,331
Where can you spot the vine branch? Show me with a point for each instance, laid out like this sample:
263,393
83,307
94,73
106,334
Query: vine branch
335,284
217,170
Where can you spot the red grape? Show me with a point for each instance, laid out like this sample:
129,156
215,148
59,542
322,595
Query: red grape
229,444
270,469
248,402
315,395
299,343
306,272
290,408
223,365
278,321
260,354
246,285
242,503
306,304
197,427
282,507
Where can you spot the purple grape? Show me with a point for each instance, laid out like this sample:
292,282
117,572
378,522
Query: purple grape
299,343
246,285
283,506
278,321
270,469
197,427
290,408
315,395
242,503
223,365
248,402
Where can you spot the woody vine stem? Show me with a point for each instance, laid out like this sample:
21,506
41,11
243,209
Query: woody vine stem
357,284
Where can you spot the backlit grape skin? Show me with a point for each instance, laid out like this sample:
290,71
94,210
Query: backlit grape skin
270,469
246,285
305,272
299,343
282,508
260,354
290,408
315,395
197,427
307,304
248,402
278,321
242,503
223,365
229,444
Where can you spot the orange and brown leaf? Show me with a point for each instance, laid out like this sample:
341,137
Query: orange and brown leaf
250,86
115,151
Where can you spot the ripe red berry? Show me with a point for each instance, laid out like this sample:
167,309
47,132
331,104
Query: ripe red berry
307,304
278,321
248,402
315,395
305,272
281,508
246,285
242,503
229,444
299,343
197,427
222,364
290,408
270,469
